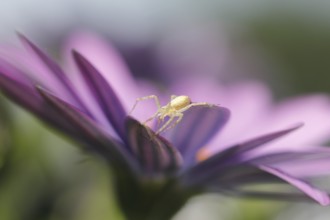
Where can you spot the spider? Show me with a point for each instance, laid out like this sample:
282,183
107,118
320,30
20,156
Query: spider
173,109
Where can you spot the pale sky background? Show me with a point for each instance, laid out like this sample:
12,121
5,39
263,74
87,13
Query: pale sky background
138,20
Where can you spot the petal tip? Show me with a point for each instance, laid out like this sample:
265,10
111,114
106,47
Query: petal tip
324,200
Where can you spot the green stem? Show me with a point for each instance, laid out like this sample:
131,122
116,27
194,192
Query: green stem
153,200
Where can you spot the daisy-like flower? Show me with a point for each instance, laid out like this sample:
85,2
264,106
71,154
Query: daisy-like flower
156,174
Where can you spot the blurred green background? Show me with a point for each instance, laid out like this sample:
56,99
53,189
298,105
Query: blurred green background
284,43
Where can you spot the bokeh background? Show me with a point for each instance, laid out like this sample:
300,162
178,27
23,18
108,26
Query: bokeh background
285,44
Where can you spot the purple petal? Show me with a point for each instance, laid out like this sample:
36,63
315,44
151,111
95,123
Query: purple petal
316,194
154,153
25,95
304,164
198,126
85,125
92,134
313,111
307,169
103,93
22,94
55,70
10,71
232,156
240,175
248,102
239,149
290,157
256,142
231,181
286,161
285,196
107,60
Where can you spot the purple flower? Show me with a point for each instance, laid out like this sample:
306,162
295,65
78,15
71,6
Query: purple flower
156,174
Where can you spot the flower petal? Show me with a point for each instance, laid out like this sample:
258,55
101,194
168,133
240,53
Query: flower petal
307,169
233,180
107,60
154,153
198,126
248,102
313,110
243,174
55,70
19,89
305,164
232,156
285,196
316,194
254,143
92,134
291,157
16,74
104,94
22,94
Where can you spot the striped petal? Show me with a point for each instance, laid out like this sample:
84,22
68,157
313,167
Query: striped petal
316,194
233,155
19,89
198,126
261,140
291,157
154,153
234,182
103,93
92,134
304,164
242,174
55,70
283,196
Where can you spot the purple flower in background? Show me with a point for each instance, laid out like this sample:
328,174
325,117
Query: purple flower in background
156,174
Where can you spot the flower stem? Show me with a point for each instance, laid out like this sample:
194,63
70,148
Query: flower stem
153,200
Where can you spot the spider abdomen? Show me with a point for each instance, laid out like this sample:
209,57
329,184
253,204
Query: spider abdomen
180,102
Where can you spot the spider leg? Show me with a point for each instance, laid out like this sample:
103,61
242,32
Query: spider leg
159,120
149,119
201,104
180,116
143,99
165,125
196,104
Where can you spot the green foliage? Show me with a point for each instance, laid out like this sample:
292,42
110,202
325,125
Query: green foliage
42,176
